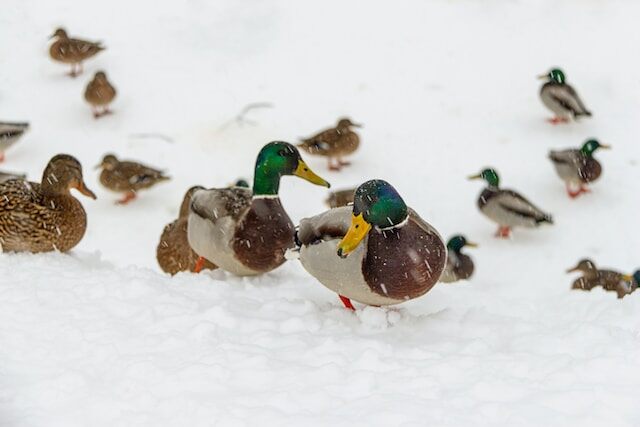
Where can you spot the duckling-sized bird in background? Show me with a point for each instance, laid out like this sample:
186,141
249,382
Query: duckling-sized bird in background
334,143
128,177
100,94
44,217
247,232
561,98
459,265
378,252
506,207
578,167
72,51
610,280
10,133
340,198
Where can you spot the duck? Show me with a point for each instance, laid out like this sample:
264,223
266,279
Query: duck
6,176
100,94
45,216
72,51
561,98
173,251
334,143
507,208
128,177
10,133
612,281
378,252
340,198
577,167
243,231
459,265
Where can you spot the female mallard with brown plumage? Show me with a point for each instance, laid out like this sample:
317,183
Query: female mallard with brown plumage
333,143
128,177
561,98
378,252
72,51
100,94
44,217
578,167
247,232
613,281
459,265
340,198
10,133
506,207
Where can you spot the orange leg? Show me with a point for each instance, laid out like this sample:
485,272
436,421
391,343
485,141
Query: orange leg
199,265
128,196
1,157
343,162
347,303
558,120
503,232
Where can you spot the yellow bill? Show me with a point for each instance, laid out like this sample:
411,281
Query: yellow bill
357,231
304,172
471,244
478,176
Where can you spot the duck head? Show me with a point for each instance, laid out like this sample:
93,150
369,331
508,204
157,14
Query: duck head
59,33
241,183
100,77
64,172
584,266
554,75
109,162
457,242
489,175
375,203
591,145
346,123
275,160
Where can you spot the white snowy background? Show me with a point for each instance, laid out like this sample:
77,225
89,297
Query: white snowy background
101,337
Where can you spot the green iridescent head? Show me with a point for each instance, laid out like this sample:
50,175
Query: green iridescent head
241,183
457,242
555,75
590,146
275,160
489,175
636,277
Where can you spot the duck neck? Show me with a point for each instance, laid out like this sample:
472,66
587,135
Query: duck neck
265,182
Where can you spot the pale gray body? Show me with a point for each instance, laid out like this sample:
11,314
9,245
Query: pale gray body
510,209
563,100
10,133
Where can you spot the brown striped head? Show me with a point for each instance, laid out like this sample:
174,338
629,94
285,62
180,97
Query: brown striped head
186,201
109,162
59,33
64,172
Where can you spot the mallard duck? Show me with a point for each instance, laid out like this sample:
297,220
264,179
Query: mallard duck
561,98
247,232
173,252
377,252
100,93
6,176
334,143
10,133
44,217
506,207
459,265
340,198
578,167
72,51
610,280
128,177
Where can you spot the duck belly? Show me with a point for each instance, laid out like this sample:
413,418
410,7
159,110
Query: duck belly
552,104
494,211
568,172
341,275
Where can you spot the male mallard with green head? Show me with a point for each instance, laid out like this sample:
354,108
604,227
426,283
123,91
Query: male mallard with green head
247,232
100,94
561,98
44,217
578,167
506,207
377,252
10,133
334,143
128,177
459,265
610,280
72,51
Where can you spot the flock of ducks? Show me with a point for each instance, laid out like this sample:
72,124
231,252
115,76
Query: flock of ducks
369,247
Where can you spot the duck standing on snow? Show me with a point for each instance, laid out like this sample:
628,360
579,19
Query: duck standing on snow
128,177
99,94
72,51
10,133
592,277
578,167
247,232
459,265
334,143
44,217
561,98
378,252
340,198
506,207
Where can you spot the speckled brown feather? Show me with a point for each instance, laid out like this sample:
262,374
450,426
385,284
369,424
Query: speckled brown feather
99,91
333,142
73,51
123,176
340,198
593,277
173,252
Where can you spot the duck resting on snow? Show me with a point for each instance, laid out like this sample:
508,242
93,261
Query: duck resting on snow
612,281
247,232
376,252
459,265
561,98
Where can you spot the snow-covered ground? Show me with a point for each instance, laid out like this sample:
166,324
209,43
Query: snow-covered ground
101,337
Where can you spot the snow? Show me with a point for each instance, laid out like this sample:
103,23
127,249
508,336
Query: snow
101,337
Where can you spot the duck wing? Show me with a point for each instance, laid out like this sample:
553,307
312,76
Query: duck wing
139,175
321,143
516,204
331,224
568,98
218,203
21,208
